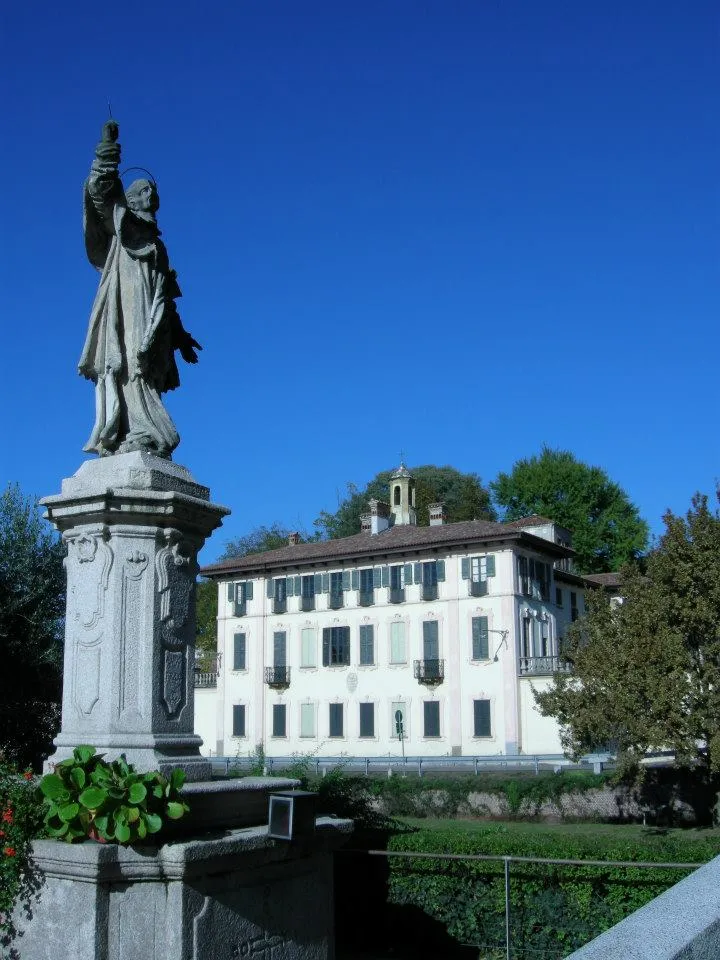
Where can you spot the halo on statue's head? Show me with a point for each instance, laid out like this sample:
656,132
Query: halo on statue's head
151,178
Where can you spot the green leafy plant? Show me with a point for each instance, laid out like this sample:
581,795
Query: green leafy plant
20,822
88,796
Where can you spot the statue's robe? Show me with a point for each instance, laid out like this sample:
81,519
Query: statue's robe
129,348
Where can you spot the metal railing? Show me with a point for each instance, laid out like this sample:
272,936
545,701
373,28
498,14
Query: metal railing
429,671
336,599
396,595
366,598
429,591
277,676
539,666
509,950
279,605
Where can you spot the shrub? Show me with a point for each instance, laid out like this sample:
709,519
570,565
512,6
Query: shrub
20,821
554,908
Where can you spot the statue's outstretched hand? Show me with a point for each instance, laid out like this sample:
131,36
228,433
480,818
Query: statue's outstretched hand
187,346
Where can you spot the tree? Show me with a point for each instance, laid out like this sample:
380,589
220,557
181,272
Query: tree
606,527
463,494
646,672
261,539
32,608
206,610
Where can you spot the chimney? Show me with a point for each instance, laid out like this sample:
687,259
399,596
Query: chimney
379,516
365,523
437,514
293,539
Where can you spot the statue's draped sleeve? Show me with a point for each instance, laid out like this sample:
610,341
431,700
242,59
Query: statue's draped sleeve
103,190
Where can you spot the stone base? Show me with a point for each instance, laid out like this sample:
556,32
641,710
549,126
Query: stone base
240,895
144,751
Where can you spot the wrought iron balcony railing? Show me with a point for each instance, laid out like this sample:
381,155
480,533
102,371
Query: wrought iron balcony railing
478,588
543,666
396,595
277,677
307,603
429,591
280,606
336,599
429,671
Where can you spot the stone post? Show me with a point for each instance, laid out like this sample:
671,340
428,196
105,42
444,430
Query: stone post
133,524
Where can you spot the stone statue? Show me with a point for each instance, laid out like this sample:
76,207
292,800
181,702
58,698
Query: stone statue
135,328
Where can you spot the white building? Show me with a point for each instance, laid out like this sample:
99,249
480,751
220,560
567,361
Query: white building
439,632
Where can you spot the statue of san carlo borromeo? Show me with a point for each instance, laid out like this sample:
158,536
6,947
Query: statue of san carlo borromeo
134,328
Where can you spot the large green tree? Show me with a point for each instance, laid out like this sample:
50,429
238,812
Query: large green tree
646,671
32,607
463,494
607,528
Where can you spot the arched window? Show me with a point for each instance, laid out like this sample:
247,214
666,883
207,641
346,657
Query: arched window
396,495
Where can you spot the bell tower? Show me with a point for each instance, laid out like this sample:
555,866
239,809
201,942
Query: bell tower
402,496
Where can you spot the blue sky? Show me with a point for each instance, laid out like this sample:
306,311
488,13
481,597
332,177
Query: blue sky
462,229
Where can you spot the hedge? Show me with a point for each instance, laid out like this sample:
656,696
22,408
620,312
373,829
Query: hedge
554,909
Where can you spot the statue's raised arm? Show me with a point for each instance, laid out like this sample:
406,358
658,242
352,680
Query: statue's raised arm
135,327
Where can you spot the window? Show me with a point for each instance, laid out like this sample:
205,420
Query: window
431,716
428,575
481,718
336,720
307,592
431,644
574,612
367,587
308,651
367,719
480,639
558,596
280,648
367,645
396,497
336,646
477,570
534,577
239,652
336,599
238,595
238,727
307,720
526,639
398,653
279,727
399,719
398,576
279,595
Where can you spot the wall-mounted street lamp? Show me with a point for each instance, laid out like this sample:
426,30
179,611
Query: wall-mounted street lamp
503,640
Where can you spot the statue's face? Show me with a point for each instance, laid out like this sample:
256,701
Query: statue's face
142,196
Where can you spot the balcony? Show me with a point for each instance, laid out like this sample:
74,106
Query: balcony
205,679
478,588
336,600
366,598
542,666
277,678
429,672
279,606
307,603
429,591
396,595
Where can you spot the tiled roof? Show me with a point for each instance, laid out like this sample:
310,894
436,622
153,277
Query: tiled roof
534,521
607,580
398,539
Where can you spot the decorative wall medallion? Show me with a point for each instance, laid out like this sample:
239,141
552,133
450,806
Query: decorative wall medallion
352,682
88,588
86,549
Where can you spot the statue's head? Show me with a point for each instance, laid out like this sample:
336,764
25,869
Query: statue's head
142,196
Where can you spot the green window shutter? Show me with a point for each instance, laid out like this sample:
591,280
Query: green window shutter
367,644
317,585
386,576
355,580
481,711
431,647
326,583
431,716
326,646
279,648
238,720
248,589
440,565
367,719
270,588
490,566
480,638
336,720
297,586
377,576
346,579
279,728
289,587
408,574
465,568
239,652
231,592
418,568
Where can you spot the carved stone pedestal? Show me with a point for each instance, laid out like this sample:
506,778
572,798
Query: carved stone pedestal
133,524
240,896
